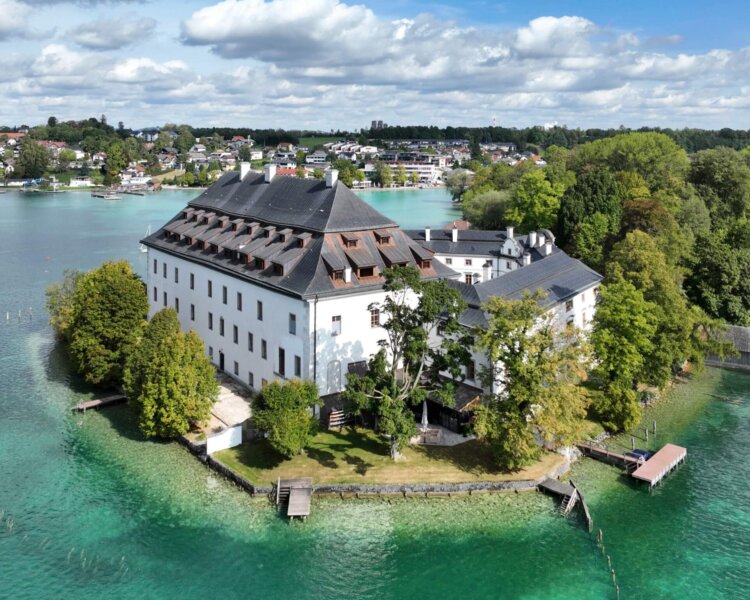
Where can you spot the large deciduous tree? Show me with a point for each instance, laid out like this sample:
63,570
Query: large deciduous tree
284,411
33,160
535,202
60,305
536,371
423,339
109,305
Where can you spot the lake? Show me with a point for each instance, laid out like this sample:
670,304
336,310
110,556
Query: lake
90,510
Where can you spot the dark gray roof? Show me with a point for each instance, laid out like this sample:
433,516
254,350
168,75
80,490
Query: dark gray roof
475,242
559,276
293,202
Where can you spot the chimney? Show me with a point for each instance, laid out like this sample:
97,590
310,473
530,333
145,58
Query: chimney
526,259
426,234
541,239
270,172
244,170
548,248
486,270
509,232
332,176
454,234
348,275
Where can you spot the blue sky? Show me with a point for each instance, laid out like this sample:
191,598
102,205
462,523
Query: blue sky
323,64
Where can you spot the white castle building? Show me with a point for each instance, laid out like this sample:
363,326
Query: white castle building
282,276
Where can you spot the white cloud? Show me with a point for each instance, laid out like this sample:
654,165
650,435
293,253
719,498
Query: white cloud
13,19
112,34
144,70
555,36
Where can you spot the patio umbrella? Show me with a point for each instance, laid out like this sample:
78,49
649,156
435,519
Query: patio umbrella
424,415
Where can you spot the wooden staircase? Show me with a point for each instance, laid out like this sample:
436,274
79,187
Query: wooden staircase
338,418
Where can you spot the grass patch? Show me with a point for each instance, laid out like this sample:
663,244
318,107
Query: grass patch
312,142
361,456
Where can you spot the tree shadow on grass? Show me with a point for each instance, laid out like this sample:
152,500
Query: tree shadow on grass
323,457
258,454
360,465
471,457
362,439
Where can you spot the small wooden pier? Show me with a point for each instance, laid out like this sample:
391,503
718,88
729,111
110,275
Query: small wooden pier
100,402
570,497
660,464
296,494
613,458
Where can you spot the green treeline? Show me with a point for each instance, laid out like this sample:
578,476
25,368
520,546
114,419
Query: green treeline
101,316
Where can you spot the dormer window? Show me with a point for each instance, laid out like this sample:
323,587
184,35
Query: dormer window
260,263
278,270
425,264
366,272
338,275
350,241
214,248
383,237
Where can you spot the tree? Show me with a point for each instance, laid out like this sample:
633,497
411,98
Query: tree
383,174
52,122
33,160
64,159
458,182
177,386
412,355
590,240
535,372
400,175
244,153
115,163
60,304
535,203
318,173
109,304
284,411
487,210
624,325
722,178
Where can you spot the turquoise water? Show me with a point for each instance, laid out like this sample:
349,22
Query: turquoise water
90,510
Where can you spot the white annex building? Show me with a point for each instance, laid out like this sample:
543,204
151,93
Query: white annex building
281,276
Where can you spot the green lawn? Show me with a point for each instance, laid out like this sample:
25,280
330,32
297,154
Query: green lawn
360,456
311,142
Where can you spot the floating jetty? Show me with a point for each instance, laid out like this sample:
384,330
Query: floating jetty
652,471
106,195
100,402
660,464
296,494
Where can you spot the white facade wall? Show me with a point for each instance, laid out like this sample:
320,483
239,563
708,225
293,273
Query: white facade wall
357,341
476,269
252,368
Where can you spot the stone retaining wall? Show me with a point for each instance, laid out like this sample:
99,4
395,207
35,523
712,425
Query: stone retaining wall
367,489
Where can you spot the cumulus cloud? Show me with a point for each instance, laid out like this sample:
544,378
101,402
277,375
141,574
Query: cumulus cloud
14,17
112,34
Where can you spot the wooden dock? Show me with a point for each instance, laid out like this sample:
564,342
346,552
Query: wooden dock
660,464
296,494
567,493
584,506
613,458
100,402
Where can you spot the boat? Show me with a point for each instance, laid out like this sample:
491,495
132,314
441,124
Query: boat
148,233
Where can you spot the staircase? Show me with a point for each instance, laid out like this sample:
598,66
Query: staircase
338,418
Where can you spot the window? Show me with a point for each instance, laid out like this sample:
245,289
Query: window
336,325
156,294
164,297
507,265
250,379
468,278
471,371
282,362
239,302
292,323
176,275
259,310
448,261
156,268
374,317
192,281
467,262
211,321
263,349
221,326
250,342
224,294
164,270
192,312
366,271
235,334
210,289
236,368
211,351
569,306
297,366
177,304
